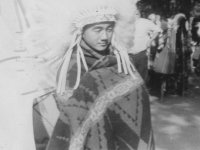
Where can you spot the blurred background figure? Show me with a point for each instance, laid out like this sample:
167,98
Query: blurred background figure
195,32
173,60
152,17
145,33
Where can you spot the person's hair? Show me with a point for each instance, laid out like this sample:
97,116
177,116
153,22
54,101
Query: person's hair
196,10
139,6
144,9
194,30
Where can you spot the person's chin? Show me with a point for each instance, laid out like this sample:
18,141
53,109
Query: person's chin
101,47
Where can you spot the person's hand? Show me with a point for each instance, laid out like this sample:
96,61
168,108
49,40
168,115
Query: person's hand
148,52
153,44
148,44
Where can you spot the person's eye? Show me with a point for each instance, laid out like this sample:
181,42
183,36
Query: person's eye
97,30
110,30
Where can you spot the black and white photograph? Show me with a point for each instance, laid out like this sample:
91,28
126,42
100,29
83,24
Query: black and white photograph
99,74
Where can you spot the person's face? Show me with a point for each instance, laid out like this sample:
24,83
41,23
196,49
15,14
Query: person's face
152,18
97,36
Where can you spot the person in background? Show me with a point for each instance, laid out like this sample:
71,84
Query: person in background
145,33
152,17
195,34
157,44
156,47
176,56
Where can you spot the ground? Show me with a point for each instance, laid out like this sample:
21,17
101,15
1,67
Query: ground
176,120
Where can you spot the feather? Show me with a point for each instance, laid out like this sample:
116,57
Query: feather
55,26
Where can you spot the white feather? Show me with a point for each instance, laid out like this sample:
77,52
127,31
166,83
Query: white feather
53,24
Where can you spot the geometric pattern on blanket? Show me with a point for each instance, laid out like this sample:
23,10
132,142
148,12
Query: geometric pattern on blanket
123,124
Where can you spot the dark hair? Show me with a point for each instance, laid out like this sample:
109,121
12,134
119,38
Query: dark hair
194,30
196,10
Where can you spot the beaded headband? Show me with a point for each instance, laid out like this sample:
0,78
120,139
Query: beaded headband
94,15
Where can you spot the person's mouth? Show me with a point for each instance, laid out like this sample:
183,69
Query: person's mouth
103,44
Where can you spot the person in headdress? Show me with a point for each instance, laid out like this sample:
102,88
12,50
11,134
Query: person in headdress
77,49
107,110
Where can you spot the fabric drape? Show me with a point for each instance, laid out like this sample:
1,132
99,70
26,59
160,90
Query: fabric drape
107,111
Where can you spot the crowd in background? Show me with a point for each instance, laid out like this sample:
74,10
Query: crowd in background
174,54
167,52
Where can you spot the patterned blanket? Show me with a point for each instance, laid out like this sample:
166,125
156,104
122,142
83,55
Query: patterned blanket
108,111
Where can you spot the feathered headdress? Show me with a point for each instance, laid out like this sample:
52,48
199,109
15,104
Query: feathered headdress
56,27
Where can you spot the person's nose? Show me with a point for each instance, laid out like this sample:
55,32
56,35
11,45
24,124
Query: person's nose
104,35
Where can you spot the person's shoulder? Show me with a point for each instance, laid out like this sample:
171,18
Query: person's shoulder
145,20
